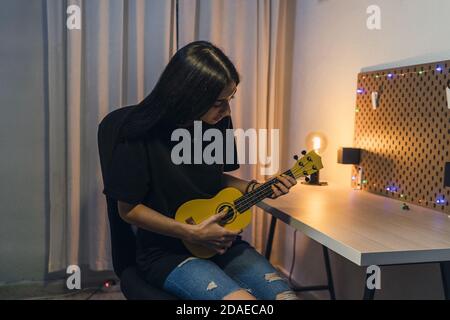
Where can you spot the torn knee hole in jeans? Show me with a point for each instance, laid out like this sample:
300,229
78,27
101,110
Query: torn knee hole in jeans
287,295
272,277
187,260
212,285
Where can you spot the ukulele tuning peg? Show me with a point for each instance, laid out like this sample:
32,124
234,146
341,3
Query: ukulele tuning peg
307,179
295,157
303,152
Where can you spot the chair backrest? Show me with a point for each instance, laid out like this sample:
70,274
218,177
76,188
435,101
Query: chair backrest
123,239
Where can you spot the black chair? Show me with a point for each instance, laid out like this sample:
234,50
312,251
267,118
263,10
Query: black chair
123,239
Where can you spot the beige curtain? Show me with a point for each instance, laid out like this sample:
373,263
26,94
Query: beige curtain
114,60
258,36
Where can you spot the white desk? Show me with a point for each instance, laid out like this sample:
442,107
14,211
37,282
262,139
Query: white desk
365,228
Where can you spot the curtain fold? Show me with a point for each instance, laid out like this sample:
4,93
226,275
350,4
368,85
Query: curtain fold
114,60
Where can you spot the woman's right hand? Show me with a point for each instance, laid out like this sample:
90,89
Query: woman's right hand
212,235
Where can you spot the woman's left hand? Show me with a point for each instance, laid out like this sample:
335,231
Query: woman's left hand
282,187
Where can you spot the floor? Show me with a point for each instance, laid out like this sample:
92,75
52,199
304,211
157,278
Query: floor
119,296
112,293
93,290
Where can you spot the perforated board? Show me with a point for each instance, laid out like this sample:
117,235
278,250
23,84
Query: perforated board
406,139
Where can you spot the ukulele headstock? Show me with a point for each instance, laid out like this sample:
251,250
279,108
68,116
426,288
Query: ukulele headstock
308,164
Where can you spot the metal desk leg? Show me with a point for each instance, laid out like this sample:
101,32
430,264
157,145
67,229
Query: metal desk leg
369,294
330,286
445,273
273,224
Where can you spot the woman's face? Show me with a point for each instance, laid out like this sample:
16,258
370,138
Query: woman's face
221,107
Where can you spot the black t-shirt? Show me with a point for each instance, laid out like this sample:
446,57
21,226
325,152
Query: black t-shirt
142,171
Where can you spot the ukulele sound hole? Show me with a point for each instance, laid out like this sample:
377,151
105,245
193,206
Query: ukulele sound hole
230,216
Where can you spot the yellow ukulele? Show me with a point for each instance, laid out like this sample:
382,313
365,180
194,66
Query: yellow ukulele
238,205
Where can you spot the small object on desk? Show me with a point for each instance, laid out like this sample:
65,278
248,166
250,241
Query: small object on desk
352,156
405,206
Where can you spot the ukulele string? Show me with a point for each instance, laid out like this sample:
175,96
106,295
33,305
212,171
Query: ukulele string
259,194
261,190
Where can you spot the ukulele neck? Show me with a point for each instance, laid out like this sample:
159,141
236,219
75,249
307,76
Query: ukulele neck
249,199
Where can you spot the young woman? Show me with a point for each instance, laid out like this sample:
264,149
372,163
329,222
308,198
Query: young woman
197,84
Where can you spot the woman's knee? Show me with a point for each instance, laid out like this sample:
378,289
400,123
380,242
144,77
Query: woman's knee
287,295
240,294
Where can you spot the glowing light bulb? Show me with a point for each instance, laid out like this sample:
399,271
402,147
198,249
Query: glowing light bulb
317,143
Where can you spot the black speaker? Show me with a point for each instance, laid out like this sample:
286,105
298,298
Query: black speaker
349,155
447,175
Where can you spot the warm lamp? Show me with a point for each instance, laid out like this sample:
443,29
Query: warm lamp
317,142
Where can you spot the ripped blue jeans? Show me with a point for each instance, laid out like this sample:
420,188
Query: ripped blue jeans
240,268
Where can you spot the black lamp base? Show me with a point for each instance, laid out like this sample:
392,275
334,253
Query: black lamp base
314,180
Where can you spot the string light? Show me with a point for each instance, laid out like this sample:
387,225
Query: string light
391,75
391,189
360,90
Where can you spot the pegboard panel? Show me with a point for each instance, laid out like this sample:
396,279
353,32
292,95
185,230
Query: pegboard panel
406,139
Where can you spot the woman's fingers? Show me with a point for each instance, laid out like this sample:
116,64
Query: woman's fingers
290,179
219,247
282,187
276,191
287,181
230,233
219,216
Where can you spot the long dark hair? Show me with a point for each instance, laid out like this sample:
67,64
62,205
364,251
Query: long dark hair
186,89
